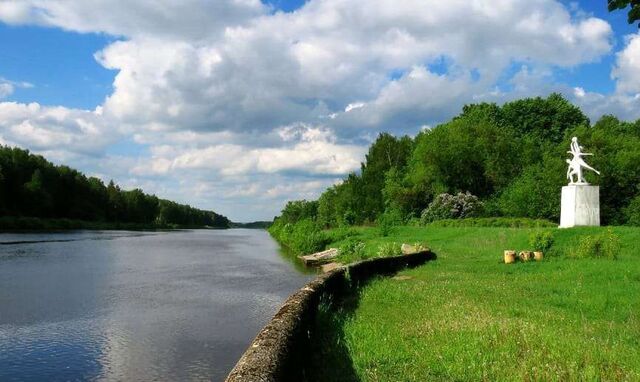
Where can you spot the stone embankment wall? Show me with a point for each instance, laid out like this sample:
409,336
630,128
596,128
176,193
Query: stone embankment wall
278,352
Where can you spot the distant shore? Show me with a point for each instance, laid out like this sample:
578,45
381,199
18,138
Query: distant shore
22,223
25,223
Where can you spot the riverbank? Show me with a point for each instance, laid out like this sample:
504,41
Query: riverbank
468,316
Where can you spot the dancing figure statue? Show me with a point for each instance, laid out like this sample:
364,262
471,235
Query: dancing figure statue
576,164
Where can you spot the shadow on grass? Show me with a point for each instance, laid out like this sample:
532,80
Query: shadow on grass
329,358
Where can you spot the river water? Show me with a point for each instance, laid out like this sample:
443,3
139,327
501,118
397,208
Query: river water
114,305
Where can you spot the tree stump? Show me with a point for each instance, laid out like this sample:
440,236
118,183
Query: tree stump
509,257
526,255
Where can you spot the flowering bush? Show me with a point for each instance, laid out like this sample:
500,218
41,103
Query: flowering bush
447,206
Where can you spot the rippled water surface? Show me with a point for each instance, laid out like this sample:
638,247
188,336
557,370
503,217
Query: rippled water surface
115,305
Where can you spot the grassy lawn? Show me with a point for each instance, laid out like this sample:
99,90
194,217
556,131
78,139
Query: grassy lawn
468,316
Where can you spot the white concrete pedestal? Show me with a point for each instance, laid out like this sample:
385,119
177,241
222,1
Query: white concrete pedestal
580,206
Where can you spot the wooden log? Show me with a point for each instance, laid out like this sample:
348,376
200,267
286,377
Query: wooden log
331,266
320,257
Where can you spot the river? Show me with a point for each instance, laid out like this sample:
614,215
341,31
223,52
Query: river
114,305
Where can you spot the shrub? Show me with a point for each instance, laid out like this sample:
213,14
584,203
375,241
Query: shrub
447,206
414,222
388,250
632,212
353,249
388,220
303,237
349,218
494,222
604,245
541,241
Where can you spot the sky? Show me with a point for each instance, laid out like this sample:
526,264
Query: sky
240,105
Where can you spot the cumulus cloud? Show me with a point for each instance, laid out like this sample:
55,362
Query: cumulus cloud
228,101
288,67
308,150
190,19
627,68
56,130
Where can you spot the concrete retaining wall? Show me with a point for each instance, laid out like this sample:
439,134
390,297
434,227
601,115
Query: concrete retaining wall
279,350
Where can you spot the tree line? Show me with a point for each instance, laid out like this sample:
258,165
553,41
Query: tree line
31,186
509,160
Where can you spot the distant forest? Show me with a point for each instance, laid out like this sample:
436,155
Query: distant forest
489,161
31,186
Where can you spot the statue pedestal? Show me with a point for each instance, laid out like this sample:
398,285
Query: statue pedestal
580,206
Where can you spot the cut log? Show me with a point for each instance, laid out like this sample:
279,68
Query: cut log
526,255
538,255
320,257
329,267
509,257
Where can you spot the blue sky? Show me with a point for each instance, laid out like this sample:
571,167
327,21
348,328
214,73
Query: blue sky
162,96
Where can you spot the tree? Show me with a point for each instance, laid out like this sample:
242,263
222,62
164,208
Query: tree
385,153
545,119
32,186
634,10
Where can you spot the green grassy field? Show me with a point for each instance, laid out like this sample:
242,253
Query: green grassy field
469,317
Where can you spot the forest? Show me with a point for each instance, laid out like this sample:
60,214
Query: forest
32,187
489,161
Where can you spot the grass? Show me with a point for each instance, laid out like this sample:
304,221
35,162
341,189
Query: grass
469,317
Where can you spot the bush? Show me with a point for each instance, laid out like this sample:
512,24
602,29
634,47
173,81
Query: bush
541,241
494,222
349,218
353,249
632,212
446,206
389,250
604,245
303,237
414,222
388,220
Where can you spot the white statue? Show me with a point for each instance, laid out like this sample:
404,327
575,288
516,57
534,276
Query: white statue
576,164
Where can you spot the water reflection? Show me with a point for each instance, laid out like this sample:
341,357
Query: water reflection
290,257
168,306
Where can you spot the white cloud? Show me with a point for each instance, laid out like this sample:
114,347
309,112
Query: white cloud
55,129
627,68
6,89
230,65
306,150
192,19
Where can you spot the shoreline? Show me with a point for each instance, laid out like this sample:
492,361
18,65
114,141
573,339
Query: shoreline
14,224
